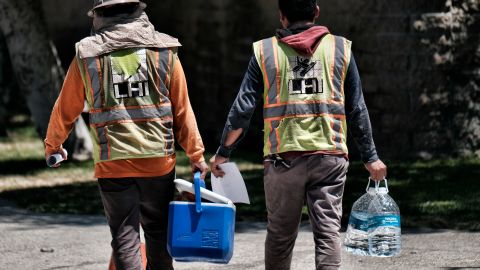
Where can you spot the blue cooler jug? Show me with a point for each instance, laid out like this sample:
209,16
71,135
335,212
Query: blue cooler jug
201,231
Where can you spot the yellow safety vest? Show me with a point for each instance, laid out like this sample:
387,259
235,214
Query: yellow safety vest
127,92
304,106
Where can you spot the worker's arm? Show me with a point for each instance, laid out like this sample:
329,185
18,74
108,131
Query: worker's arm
359,125
184,123
232,137
67,109
240,114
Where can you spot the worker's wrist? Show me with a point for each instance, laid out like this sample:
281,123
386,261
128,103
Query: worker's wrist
53,150
370,159
197,158
224,151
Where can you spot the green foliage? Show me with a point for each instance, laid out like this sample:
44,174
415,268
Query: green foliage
440,207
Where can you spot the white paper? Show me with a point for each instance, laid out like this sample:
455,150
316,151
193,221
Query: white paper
231,185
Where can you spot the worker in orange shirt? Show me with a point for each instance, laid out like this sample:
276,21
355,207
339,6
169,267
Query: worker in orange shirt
135,87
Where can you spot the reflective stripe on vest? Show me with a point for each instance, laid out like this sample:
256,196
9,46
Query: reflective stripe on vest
302,109
337,129
103,143
130,109
339,69
298,87
140,114
164,61
269,61
93,67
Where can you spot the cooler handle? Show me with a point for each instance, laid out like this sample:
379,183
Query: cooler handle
198,183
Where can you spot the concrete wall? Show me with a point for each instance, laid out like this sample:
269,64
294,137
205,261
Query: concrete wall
419,62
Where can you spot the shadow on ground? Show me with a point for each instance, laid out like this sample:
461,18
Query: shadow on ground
25,166
31,166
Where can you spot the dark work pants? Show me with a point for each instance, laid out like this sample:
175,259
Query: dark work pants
317,180
129,202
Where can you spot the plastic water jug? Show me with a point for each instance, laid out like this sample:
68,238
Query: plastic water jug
374,224
356,239
201,231
384,231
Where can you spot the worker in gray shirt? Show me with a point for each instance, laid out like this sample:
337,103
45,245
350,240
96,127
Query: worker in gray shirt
308,81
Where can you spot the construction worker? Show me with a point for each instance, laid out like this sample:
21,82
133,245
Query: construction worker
311,92
136,91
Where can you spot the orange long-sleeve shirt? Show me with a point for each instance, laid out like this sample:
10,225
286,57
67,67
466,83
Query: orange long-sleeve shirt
69,106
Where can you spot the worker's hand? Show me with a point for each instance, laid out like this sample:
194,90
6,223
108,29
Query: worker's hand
199,166
214,162
377,170
62,152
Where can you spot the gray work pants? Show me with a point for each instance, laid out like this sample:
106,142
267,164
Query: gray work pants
319,180
129,202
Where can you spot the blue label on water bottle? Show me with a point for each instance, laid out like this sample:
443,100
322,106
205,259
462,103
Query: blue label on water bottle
358,224
384,221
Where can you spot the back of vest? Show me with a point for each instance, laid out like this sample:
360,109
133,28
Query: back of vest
127,92
303,96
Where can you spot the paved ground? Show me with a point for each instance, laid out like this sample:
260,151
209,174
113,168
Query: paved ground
48,242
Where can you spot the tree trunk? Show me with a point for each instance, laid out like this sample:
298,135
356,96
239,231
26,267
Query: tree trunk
37,69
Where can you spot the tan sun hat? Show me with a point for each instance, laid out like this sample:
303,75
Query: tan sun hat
106,3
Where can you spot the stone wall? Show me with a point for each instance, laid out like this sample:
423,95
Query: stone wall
452,100
419,62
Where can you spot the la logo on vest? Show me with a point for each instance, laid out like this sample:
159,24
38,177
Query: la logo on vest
130,73
306,76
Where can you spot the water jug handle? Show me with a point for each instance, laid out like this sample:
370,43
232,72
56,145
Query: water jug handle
198,183
377,184
368,184
386,184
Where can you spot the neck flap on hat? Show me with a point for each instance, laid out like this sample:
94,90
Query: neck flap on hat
122,32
